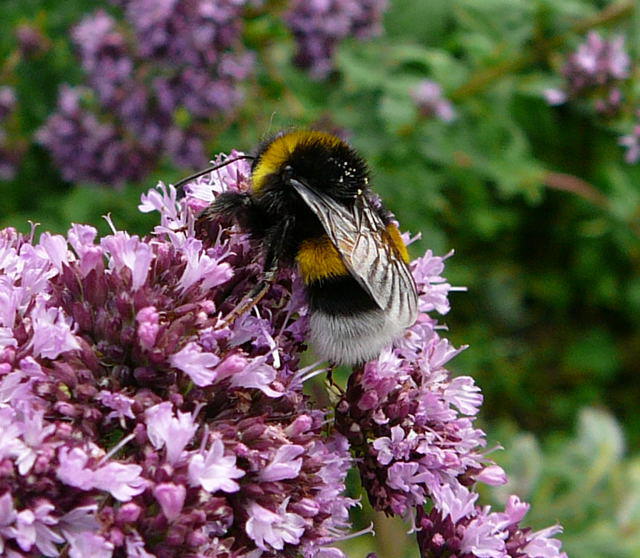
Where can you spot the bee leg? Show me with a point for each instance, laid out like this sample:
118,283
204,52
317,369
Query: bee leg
330,380
230,206
330,370
276,239
255,295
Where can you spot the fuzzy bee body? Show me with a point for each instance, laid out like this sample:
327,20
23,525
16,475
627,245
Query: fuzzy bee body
310,206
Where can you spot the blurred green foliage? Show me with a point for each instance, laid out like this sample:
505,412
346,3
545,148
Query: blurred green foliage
588,481
537,201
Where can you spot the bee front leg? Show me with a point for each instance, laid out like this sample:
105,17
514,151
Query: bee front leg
255,295
276,241
230,206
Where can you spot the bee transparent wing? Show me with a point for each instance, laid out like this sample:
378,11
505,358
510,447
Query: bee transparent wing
362,240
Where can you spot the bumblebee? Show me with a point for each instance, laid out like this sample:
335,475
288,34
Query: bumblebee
310,206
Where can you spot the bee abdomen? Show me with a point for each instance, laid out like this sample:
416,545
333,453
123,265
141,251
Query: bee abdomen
346,325
351,339
339,296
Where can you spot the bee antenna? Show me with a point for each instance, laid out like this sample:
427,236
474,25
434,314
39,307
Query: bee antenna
178,185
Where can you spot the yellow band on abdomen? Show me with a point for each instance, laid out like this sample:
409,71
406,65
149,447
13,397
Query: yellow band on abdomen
398,243
318,259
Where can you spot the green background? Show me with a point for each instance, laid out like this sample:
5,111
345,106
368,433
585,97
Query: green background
552,306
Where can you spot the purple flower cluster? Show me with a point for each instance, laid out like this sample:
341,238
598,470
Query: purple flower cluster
427,96
10,155
156,89
86,148
199,38
486,534
410,422
595,69
410,425
320,25
135,421
31,41
632,142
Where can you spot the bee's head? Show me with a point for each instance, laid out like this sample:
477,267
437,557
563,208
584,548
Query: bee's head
319,159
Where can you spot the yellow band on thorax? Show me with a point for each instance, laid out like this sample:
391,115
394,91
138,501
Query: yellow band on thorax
281,148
